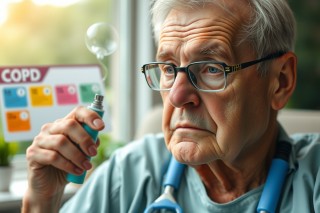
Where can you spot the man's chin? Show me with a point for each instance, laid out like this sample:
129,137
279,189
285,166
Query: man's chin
185,151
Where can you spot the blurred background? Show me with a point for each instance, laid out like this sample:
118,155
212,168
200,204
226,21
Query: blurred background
307,13
48,32
52,32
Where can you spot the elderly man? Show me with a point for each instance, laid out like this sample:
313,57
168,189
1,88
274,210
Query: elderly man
224,69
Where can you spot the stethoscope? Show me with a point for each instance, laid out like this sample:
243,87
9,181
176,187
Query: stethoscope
269,197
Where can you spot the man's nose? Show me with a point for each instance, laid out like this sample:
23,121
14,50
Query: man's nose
190,75
183,92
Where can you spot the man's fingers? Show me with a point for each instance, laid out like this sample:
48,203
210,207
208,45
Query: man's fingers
87,116
40,158
74,132
62,146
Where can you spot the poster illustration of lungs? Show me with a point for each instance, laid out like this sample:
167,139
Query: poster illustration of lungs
34,95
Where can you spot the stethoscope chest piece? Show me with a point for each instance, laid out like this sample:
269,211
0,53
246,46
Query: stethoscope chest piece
166,200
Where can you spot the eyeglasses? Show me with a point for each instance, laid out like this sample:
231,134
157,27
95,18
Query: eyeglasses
206,76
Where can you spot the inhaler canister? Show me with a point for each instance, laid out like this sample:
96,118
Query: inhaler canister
97,106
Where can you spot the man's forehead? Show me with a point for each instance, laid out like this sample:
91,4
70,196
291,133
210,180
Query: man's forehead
234,9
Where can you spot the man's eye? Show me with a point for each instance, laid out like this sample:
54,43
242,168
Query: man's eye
168,70
213,70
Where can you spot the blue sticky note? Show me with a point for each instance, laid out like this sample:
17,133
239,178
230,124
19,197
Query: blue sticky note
15,97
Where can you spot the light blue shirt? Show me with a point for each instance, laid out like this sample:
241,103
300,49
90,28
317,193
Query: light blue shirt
133,177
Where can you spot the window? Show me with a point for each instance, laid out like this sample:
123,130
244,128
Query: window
48,32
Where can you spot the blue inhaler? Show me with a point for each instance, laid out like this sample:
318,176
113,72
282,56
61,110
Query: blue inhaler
275,180
96,106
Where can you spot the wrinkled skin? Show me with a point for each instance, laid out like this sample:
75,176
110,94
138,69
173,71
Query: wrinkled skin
228,136
54,153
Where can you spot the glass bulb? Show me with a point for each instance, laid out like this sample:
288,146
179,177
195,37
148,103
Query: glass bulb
101,39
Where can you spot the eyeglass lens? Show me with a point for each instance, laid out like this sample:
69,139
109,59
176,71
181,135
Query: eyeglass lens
204,76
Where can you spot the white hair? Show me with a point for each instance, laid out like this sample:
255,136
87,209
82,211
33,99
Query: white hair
271,26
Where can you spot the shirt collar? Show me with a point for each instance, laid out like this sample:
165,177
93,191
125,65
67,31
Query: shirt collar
283,136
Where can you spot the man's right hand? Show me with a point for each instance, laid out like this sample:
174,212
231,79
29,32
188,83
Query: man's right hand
61,147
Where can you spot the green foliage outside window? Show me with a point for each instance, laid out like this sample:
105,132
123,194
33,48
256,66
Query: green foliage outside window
307,13
7,151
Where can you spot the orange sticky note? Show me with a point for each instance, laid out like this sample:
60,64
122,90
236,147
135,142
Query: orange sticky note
18,121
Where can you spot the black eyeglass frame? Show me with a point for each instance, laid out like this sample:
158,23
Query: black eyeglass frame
226,68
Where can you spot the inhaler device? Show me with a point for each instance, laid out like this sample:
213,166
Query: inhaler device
96,106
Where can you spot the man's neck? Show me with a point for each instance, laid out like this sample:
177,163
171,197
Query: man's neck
226,181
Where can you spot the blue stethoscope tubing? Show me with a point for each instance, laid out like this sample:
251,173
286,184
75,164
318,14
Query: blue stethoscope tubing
269,197
275,180
172,181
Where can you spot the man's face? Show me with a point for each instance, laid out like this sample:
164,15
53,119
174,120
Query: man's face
202,127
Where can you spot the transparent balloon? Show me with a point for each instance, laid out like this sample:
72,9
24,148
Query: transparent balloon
102,40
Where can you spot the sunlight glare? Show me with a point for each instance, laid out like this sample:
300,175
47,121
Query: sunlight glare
4,9
58,3
3,12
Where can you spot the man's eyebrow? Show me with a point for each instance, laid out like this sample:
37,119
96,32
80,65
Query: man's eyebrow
206,51
210,50
162,55
216,51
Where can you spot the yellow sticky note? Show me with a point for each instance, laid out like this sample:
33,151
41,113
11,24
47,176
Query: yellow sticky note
41,96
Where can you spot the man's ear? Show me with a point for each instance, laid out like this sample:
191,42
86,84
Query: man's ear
286,75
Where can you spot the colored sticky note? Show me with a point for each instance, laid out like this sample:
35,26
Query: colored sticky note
66,94
15,97
31,96
88,91
18,121
41,96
